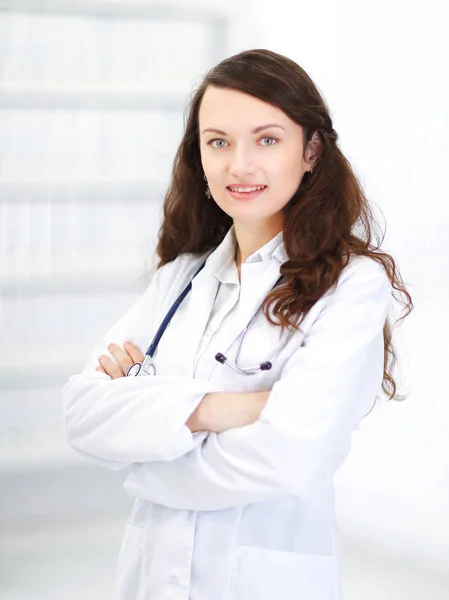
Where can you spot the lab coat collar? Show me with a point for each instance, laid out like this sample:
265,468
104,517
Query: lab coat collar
221,262
258,276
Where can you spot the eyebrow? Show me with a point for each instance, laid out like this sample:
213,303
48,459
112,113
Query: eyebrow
256,130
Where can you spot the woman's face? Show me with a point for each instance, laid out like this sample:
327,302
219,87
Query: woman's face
252,156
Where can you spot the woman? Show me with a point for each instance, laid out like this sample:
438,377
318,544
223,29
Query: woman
232,469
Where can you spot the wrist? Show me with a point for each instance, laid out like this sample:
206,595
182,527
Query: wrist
194,422
219,411
201,417
259,401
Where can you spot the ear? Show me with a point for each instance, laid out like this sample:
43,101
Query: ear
314,149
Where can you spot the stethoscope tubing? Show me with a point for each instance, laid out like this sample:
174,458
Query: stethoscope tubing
147,367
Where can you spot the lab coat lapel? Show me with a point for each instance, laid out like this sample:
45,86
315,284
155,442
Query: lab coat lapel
199,304
257,280
190,330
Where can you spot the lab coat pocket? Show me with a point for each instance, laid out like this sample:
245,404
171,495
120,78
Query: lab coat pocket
270,574
129,564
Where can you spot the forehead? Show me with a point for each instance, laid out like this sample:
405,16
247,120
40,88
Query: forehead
225,108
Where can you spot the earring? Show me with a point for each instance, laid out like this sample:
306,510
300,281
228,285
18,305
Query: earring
208,194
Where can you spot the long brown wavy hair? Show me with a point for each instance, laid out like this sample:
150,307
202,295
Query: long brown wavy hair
327,219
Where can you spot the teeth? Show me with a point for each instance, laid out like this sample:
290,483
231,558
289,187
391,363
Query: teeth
247,189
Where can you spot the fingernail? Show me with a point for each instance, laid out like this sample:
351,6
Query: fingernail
111,346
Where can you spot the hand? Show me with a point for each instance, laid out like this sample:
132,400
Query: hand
220,411
125,358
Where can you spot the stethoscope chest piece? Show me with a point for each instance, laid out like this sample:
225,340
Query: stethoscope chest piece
134,370
145,368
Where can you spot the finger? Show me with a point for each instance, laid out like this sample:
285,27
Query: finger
101,370
110,367
134,352
122,357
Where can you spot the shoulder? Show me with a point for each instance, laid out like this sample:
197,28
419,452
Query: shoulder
176,272
363,269
185,264
363,282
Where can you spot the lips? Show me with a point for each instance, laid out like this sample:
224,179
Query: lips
245,192
245,189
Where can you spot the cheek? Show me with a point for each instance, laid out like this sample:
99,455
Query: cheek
213,168
288,172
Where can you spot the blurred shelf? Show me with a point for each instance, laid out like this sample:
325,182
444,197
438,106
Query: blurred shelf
103,192
89,282
57,482
51,453
96,99
123,9
32,374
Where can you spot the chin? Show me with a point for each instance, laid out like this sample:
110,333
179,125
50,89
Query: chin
248,212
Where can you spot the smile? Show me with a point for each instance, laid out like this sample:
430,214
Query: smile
244,190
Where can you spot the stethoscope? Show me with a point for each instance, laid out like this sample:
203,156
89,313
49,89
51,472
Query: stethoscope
147,367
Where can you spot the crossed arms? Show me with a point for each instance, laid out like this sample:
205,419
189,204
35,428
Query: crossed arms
303,428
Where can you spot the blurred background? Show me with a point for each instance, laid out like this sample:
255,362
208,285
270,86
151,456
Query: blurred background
92,101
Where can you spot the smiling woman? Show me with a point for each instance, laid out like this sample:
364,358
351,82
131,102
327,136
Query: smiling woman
259,156
267,253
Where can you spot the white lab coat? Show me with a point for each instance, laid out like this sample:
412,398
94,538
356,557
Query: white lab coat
247,514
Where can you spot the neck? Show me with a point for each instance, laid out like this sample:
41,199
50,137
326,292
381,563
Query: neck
250,237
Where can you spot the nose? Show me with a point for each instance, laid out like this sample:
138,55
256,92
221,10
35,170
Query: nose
242,162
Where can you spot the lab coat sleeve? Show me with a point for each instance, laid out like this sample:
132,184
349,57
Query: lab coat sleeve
325,389
116,422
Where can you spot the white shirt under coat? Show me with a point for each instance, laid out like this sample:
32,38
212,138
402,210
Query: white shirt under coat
226,300
247,514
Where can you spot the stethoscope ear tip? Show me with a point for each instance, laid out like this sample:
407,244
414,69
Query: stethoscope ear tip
266,366
221,358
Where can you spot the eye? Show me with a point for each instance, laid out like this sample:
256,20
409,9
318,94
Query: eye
217,143
268,141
